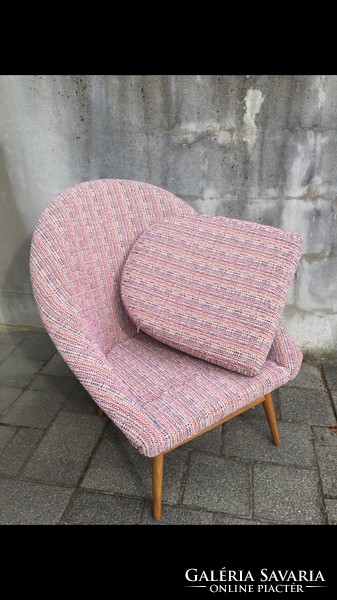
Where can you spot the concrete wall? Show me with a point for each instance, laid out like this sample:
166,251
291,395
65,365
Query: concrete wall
260,148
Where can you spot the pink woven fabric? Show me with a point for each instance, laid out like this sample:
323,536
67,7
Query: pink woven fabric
79,248
179,395
212,287
155,394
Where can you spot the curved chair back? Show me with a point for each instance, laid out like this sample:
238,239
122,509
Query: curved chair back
79,247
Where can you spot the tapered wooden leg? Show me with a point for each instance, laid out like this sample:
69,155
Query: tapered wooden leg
270,414
100,412
157,484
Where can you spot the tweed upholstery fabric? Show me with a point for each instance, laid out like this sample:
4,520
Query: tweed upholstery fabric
173,395
212,287
157,395
79,247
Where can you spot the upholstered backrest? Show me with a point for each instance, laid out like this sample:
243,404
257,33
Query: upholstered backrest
213,287
78,251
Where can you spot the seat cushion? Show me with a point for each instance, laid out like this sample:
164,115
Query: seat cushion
212,287
170,396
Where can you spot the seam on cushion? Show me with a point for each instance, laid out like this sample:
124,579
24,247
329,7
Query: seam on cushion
181,382
200,376
170,389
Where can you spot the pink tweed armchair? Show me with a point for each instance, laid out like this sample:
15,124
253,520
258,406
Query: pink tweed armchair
115,266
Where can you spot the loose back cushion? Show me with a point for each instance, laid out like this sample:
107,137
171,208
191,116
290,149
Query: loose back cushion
212,287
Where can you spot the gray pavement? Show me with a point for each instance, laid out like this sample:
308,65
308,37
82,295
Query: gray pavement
62,464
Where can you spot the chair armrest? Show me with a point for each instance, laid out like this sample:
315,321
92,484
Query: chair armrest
117,400
285,352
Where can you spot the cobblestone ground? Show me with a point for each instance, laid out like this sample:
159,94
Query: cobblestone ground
62,464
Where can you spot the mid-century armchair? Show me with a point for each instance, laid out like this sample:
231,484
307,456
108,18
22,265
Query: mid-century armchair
169,319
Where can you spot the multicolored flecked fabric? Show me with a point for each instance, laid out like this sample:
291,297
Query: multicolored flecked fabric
174,396
212,287
156,395
79,248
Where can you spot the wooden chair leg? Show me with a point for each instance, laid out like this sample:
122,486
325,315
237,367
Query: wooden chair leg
270,414
100,412
157,484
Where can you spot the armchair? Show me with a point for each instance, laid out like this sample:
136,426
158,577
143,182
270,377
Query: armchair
161,390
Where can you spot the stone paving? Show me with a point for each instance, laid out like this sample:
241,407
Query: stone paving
60,464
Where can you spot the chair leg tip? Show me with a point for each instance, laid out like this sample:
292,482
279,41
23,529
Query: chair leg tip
157,513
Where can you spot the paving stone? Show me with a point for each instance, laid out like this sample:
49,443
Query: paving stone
330,372
258,412
325,435
94,508
80,401
57,366
17,372
252,440
18,451
309,376
34,409
224,520
208,442
62,455
52,384
29,503
39,468
331,509
6,434
114,432
7,396
5,350
118,467
306,406
327,462
218,484
287,495
334,400
36,346
12,338
176,515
